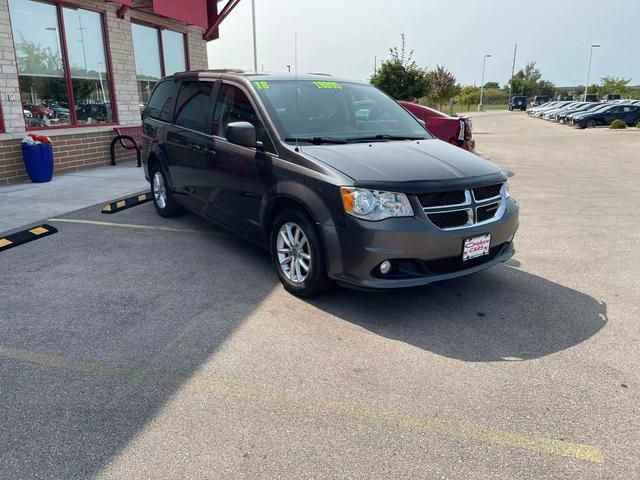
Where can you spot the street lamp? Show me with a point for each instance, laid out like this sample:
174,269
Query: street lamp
484,64
586,87
255,47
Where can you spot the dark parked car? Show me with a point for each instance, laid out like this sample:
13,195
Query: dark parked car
630,114
518,103
561,116
539,100
610,97
96,112
371,200
454,130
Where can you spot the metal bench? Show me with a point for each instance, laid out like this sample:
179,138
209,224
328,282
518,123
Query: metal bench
130,139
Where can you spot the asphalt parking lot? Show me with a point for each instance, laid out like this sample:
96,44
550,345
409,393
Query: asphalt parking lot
134,346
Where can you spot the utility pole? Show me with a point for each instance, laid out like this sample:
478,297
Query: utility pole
513,69
484,64
586,87
255,48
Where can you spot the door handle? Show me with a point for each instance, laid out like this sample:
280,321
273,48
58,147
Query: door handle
196,148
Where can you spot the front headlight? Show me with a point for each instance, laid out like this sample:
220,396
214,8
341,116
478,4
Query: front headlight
374,204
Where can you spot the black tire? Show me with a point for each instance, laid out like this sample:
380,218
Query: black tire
591,124
169,207
315,281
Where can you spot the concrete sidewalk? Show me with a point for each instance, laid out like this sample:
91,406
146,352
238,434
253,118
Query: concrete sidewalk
27,203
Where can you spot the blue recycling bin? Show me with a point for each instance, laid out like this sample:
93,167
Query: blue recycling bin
38,160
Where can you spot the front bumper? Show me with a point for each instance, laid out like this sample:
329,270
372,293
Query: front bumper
429,254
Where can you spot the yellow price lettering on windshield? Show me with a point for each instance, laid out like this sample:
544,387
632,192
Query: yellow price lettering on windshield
261,85
329,85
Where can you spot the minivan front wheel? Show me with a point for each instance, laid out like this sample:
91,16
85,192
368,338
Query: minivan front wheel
164,202
298,255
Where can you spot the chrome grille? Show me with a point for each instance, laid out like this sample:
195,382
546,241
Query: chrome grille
438,199
487,192
452,219
464,208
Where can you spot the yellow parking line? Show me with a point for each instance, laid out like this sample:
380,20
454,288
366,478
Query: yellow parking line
4,242
128,225
505,438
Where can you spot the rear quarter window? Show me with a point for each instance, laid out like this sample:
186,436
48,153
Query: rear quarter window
162,101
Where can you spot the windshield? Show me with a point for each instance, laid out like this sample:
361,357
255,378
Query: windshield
336,111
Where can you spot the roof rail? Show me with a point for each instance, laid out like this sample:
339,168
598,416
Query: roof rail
225,70
320,73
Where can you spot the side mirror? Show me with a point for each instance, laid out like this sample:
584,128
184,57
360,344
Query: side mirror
241,133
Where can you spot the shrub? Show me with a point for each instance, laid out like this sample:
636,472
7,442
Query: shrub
638,125
618,124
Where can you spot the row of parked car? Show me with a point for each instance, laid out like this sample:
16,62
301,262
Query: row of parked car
589,114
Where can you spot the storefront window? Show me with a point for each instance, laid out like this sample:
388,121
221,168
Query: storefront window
88,65
146,49
40,64
158,53
173,50
49,67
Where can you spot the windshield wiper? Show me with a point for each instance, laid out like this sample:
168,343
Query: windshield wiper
385,137
316,140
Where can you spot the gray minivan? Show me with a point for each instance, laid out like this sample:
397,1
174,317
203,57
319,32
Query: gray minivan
334,177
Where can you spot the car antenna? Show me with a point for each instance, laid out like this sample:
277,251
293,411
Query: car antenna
295,74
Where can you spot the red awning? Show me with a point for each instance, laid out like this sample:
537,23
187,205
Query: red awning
193,12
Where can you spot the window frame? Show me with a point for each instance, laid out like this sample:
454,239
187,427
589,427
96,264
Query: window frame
249,94
60,5
213,95
159,28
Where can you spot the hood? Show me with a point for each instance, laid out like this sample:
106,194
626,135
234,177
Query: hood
407,166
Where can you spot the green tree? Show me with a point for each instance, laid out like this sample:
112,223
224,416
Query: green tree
400,76
611,84
469,95
443,86
494,85
545,87
525,80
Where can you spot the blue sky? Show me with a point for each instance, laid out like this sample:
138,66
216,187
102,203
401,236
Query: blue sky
343,37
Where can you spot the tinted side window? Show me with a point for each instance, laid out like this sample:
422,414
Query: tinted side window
233,105
193,108
162,101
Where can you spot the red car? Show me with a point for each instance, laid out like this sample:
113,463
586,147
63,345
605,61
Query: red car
454,130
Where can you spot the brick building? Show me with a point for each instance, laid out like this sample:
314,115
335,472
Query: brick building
75,69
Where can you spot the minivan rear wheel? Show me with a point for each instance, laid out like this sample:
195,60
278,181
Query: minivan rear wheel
298,255
163,200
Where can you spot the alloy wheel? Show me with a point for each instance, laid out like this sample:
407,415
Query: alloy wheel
159,190
294,252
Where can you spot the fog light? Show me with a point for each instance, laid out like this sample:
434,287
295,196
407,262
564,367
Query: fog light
385,267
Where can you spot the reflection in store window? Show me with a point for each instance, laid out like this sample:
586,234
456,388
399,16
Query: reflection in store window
40,65
88,64
146,49
174,52
152,62
42,68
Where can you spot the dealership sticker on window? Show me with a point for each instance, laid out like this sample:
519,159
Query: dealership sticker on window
261,85
329,85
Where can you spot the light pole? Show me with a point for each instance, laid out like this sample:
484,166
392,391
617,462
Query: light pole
586,87
255,48
484,64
